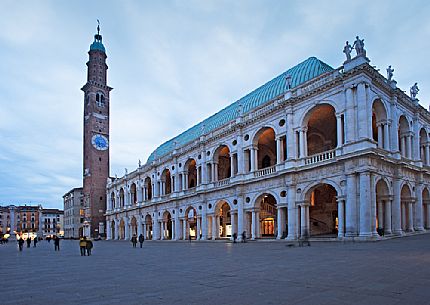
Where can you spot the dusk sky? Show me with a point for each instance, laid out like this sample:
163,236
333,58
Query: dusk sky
171,64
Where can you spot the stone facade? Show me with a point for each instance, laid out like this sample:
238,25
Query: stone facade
20,219
73,202
52,222
344,155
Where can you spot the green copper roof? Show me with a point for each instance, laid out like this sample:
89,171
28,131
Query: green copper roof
301,73
97,44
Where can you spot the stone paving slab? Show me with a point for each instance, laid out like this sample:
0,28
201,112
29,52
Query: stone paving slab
395,271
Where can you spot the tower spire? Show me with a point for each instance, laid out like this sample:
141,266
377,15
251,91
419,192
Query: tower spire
98,27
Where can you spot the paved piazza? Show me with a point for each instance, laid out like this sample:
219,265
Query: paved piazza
395,271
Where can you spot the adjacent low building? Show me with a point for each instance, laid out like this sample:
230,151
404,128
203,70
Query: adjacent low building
52,222
317,151
73,213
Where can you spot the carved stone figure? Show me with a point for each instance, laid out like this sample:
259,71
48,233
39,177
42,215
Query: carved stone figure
414,91
140,163
288,81
390,73
347,50
359,46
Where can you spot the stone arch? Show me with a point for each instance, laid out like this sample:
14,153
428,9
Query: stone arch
222,161
383,206
406,207
265,142
190,223
405,137
424,147
321,199
379,123
266,205
222,214
190,168
148,186
148,226
426,208
121,229
167,225
133,193
166,179
121,198
133,226
321,120
112,201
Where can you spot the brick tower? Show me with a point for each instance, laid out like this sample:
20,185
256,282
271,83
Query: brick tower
96,139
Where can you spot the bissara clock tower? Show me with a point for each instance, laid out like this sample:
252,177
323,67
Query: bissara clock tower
96,139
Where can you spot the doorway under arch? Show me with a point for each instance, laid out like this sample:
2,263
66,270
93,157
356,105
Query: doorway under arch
323,213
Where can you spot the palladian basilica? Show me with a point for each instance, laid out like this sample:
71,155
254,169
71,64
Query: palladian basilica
336,153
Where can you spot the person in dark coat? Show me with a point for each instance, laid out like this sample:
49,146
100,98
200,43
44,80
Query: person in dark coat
134,240
34,242
56,243
89,246
28,242
83,245
20,243
141,240
244,236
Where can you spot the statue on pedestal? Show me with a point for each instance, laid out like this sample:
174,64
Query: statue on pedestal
288,81
140,163
359,46
414,91
347,50
390,73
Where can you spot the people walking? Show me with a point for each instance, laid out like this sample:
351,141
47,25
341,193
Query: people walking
234,237
83,245
28,242
34,242
20,243
244,236
141,240
89,246
56,243
134,240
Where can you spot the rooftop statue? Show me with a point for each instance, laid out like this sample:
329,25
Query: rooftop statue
140,163
414,91
288,80
359,46
347,50
390,73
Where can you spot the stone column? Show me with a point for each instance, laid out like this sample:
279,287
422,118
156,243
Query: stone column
409,146
291,135
363,114
240,226
145,193
163,230
204,225
428,216
396,209
108,230
403,146
280,221
292,213
254,225
380,214
210,224
198,228
126,228
387,220
404,226
387,136
139,225
173,230
217,223
216,171
184,229
139,194
240,161
339,129
177,227
419,219
252,155
351,226
278,150
350,116
427,154
233,223
410,226
365,205
341,217
304,220
116,229
232,165
145,235
380,142
303,140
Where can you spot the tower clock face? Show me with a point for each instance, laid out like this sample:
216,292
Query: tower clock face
100,142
